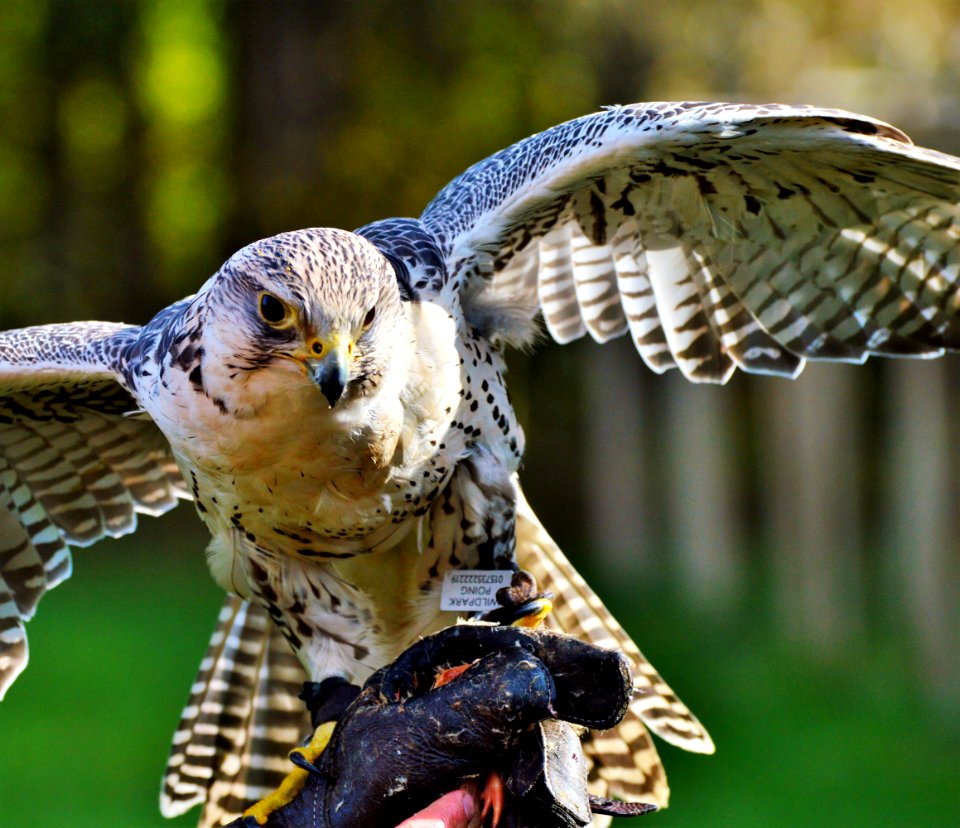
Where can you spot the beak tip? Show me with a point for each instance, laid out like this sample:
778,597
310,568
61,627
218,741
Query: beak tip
331,373
332,392
331,377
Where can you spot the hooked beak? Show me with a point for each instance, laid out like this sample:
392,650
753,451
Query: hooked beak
331,371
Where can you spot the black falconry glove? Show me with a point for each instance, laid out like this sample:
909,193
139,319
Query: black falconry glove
467,702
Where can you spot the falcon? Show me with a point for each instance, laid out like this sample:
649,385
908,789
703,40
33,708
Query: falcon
334,403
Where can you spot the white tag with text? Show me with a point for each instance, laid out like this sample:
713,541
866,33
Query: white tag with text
472,590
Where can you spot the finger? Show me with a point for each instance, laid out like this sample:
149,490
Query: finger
454,810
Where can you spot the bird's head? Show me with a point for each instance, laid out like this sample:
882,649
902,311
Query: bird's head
321,304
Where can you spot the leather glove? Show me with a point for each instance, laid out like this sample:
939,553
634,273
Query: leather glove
408,738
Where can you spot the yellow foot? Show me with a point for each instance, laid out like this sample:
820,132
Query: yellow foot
294,781
520,604
538,610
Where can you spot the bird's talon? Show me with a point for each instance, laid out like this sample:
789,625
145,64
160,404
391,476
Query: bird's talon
288,790
521,605
533,612
301,761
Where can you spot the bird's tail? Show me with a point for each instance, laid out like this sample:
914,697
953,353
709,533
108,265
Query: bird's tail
242,718
625,761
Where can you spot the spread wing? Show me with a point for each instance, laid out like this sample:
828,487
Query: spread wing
75,466
718,235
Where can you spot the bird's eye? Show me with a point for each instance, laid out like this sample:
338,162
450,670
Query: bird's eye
272,310
368,319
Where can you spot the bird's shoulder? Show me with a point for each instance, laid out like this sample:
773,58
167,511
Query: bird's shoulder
415,253
171,341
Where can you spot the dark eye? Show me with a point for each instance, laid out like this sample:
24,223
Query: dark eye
272,310
368,319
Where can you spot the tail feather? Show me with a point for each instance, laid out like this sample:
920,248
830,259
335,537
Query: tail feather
242,717
625,759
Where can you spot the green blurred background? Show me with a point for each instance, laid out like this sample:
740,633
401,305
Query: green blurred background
787,554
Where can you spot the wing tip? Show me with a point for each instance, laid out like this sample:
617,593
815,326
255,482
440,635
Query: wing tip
14,656
704,745
172,806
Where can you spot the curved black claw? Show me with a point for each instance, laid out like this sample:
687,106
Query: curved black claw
301,761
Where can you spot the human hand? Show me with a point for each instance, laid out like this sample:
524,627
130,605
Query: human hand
456,809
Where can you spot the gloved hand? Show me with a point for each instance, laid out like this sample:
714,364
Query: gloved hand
409,737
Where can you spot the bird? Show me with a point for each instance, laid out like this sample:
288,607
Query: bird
335,405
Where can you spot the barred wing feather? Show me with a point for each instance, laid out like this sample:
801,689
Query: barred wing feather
74,467
717,235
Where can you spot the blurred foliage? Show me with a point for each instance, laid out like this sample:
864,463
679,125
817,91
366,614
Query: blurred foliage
141,142
180,83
